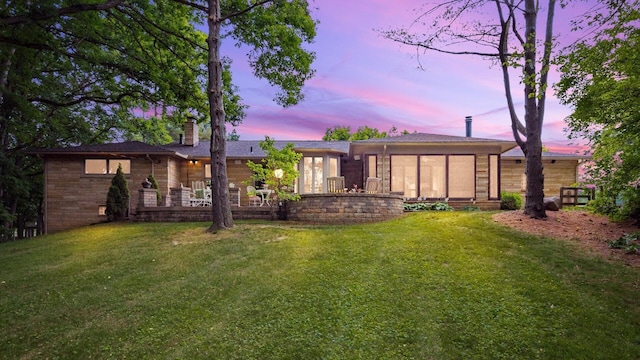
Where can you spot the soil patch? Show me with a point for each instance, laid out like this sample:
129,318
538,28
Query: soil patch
587,229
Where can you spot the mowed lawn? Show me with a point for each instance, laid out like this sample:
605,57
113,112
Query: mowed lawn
430,285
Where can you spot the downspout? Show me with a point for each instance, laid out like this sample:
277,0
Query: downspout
151,160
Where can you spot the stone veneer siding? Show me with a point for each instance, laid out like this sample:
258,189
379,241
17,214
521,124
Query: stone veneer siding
345,208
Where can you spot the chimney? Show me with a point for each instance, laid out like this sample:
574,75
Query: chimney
467,121
191,133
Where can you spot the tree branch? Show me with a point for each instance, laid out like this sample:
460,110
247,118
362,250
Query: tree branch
73,9
241,12
193,5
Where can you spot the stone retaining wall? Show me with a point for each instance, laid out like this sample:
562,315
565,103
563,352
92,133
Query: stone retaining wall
195,214
339,208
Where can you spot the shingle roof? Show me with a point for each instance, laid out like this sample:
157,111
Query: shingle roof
251,148
234,149
127,147
517,153
428,138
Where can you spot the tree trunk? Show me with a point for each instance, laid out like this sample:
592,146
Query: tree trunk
534,198
221,207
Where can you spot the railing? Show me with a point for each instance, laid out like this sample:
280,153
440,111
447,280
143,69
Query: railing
576,196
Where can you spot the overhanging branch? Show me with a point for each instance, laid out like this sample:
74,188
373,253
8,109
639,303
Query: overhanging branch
73,9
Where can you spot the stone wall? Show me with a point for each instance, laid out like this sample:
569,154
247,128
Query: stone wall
196,214
345,208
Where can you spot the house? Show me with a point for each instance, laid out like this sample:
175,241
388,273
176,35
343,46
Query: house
461,170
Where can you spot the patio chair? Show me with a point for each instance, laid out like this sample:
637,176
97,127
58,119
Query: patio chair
373,185
335,184
197,197
254,199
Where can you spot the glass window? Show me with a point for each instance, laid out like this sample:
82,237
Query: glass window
462,180
433,177
207,171
313,175
333,166
95,166
100,166
372,166
494,175
113,166
404,174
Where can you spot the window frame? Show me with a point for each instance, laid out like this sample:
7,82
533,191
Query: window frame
109,169
447,175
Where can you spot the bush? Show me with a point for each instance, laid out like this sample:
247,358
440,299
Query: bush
118,197
627,242
154,185
438,206
510,201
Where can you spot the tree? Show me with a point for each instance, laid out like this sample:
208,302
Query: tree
364,132
275,31
600,79
118,197
84,73
278,169
515,21
91,72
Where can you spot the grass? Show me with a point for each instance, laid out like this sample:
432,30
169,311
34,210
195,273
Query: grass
425,286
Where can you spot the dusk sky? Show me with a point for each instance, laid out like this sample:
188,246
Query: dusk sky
364,79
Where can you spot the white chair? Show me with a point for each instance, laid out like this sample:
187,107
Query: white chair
335,184
254,199
373,185
198,194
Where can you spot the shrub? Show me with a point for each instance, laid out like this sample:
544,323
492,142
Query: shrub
510,201
118,197
627,242
422,206
154,185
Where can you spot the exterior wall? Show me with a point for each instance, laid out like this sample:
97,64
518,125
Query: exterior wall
238,172
482,177
383,169
72,199
345,208
557,173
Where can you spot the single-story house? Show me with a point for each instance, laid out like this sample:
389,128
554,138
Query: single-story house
462,170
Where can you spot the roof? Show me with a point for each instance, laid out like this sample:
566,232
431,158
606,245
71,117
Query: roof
436,139
235,149
251,148
517,153
127,147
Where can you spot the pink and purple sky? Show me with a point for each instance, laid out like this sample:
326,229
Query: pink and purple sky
364,79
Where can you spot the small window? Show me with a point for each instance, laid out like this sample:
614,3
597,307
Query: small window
95,166
207,171
102,210
100,166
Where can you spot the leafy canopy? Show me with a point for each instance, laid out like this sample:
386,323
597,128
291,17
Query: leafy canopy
601,81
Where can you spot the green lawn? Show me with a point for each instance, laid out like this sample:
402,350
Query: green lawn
426,286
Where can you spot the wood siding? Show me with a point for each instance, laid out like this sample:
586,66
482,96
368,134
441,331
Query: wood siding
557,173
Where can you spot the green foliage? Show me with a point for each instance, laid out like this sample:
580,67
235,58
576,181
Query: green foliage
118,197
154,185
600,81
338,133
274,35
628,242
425,206
285,159
510,201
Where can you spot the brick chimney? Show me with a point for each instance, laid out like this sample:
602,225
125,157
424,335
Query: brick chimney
191,133
467,121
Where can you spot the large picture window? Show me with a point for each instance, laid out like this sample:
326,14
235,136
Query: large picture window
462,179
434,176
313,174
106,166
404,174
